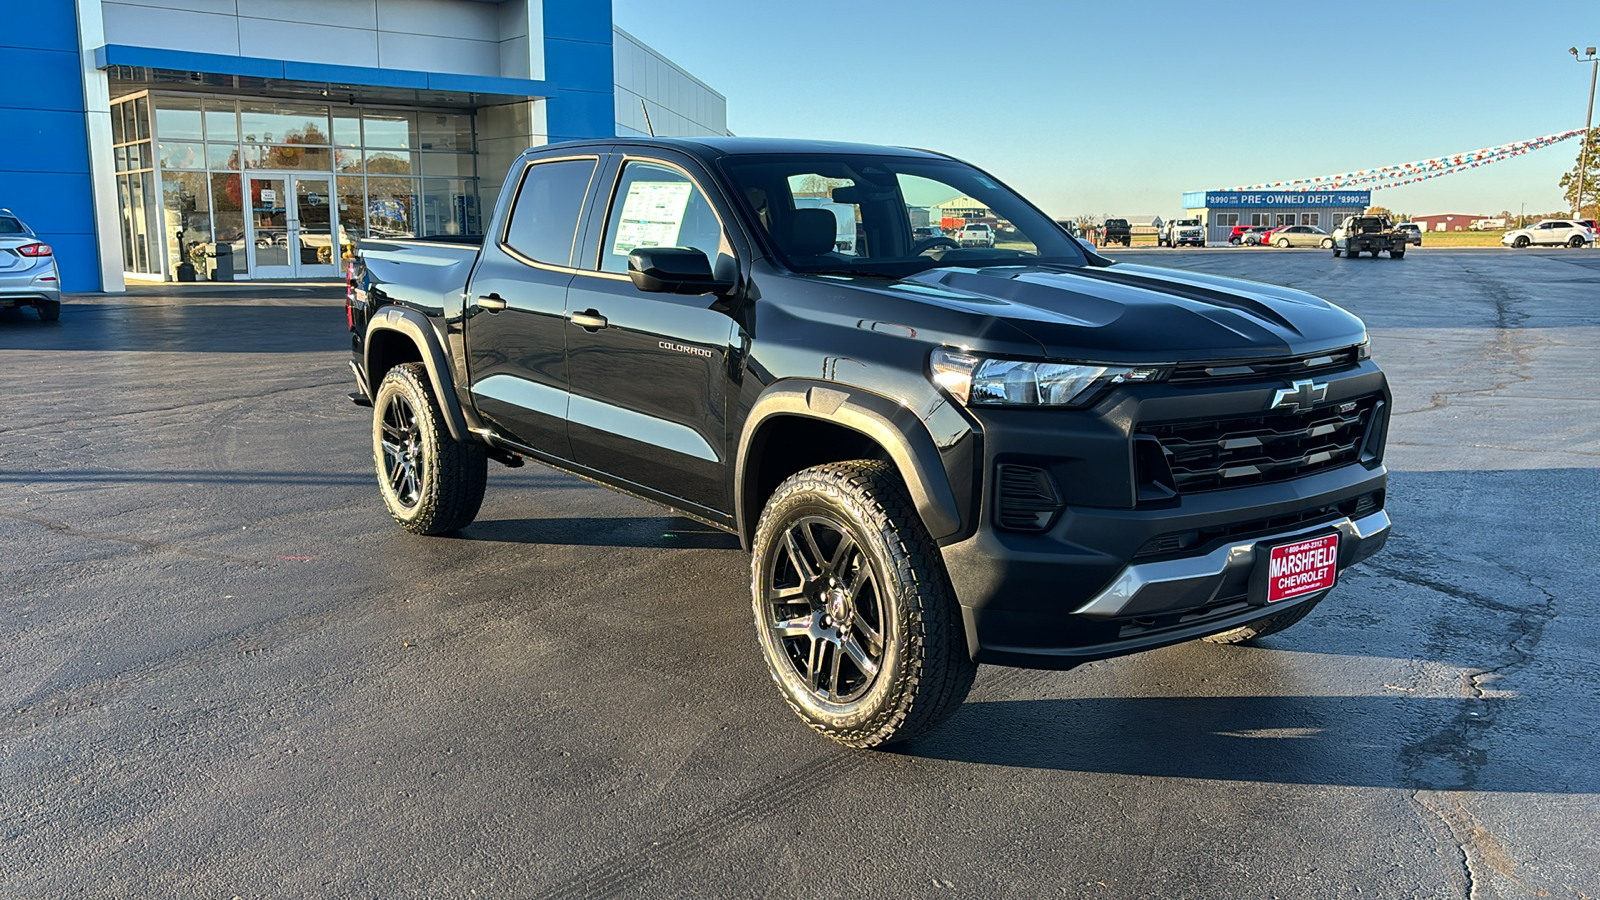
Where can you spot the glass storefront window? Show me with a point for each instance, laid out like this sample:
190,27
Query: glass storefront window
391,207
141,118
187,218
267,122
346,128
222,120
352,213
450,206
390,130
390,173
347,161
444,131
181,155
222,156
178,118
448,165
227,216
288,156
391,162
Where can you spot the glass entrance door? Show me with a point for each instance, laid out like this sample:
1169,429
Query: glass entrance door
313,242
292,233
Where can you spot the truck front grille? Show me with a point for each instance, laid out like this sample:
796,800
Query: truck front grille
1226,453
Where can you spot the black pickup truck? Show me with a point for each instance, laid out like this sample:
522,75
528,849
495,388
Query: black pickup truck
1116,231
938,455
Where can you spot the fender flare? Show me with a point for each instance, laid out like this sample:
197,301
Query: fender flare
891,424
415,326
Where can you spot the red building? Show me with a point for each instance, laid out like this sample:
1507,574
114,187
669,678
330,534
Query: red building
1445,221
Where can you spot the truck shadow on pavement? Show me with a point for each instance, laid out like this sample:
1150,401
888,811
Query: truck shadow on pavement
1395,742
180,328
666,532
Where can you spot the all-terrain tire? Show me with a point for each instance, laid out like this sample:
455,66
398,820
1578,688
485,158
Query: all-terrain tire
431,482
861,538
1265,625
49,310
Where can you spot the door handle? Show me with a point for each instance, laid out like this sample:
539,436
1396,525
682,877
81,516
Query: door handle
492,302
589,320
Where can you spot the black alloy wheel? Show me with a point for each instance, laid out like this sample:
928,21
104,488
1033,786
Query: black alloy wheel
854,612
401,446
1521,241
825,609
431,483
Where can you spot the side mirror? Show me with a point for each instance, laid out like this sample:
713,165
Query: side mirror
674,270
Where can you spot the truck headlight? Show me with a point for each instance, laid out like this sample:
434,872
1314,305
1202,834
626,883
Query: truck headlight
982,381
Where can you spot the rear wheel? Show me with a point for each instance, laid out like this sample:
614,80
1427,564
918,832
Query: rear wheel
1327,243
1265,625
1576,241
1283,242
431,482
854,612
49,310
1396,254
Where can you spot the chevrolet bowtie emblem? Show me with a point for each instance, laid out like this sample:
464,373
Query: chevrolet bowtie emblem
1299,395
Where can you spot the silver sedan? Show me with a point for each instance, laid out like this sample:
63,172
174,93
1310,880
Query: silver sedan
28,275
1302,236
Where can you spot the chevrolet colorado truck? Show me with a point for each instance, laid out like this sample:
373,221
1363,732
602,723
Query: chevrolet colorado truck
938,456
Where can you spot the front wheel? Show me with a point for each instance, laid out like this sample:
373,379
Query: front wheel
431,482
854,612
1521,242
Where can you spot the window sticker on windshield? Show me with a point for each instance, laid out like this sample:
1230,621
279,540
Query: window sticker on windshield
987,183
652,215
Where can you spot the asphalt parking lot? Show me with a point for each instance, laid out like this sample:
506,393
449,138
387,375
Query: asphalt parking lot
226,673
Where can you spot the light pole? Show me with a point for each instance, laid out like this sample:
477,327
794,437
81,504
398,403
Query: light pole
1588,120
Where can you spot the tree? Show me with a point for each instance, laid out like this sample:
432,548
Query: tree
1378,211
1591,180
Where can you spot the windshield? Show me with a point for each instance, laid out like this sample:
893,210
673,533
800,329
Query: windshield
881,196
9,225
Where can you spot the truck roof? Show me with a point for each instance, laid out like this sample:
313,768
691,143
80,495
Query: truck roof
713,146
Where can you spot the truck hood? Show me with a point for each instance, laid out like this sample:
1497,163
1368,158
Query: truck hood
1142,314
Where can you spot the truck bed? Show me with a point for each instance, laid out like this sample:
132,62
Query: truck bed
429,274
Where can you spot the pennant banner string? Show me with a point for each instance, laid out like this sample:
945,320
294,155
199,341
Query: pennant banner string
1412,172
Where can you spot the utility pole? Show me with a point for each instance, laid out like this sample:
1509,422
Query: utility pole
1588,121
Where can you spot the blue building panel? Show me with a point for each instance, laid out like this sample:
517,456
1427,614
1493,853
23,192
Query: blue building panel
52,79
44,157
50,25
578,20
43,140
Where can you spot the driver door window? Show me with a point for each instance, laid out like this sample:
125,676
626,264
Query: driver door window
658,206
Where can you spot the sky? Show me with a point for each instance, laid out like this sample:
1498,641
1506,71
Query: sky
1114,108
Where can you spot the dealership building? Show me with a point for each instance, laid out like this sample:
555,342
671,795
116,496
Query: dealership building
1220,211
264,137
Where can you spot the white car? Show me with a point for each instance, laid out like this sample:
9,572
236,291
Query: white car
1551,232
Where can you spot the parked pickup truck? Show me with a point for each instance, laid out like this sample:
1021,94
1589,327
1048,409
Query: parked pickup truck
1179,232
1371,234
1117,231
938,456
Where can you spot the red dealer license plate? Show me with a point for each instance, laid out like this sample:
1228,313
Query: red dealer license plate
1303,567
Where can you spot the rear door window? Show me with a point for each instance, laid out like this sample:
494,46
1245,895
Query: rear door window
544,220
